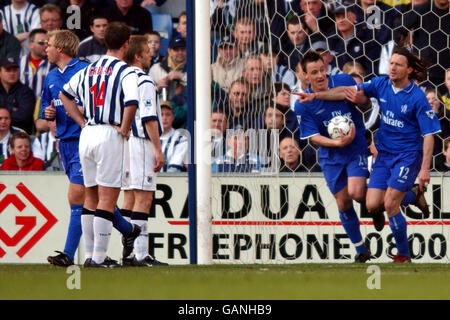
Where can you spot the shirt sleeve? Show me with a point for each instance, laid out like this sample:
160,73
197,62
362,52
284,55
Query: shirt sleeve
130,89
70,88
370,87
45,98
306,124
148,102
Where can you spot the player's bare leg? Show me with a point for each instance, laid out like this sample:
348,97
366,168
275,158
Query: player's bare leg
375,205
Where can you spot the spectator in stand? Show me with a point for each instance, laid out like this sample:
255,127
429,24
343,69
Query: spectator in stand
291,157
170,75
434,98
353,67
443,163
228,66
6,130
154,43
21,157
351,43
260,84
245,36
279,72
15,96
380,24
446,96
50,15
19,18
219,126
282,99
430,23
237,158
9,45
317,18
300,86
295,43
45,147
136,17
181,28
86,9
33,69
93,47
402,38
328,57
174,144
237,104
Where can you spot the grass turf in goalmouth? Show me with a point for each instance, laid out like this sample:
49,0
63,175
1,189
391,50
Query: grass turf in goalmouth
229,282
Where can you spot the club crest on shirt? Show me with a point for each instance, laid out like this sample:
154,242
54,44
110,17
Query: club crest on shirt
430,114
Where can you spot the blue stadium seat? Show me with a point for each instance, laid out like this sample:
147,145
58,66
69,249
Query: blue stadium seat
162,22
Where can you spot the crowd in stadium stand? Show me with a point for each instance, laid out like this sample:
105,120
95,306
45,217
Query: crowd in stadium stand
256,47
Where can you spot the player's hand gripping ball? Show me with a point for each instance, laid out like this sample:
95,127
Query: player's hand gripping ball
339,123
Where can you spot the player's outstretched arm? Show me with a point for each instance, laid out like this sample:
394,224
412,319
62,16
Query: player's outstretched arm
72,109
424,173
333,94
152,130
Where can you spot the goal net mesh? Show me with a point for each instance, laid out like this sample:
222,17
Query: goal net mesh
270,202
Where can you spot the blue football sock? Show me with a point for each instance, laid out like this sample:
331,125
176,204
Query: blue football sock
398,227
120,223
409,198
350,222
74,232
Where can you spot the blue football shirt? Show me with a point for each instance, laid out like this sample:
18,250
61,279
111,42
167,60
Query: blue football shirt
313,118
66,128
406,115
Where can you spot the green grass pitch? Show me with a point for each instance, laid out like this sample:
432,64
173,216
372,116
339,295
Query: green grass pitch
229,282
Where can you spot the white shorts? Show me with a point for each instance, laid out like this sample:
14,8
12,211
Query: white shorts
139,165
101,156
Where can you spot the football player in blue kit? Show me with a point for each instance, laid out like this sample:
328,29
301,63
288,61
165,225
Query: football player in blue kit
343,160
404,142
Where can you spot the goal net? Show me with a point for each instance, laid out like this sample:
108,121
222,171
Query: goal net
270,202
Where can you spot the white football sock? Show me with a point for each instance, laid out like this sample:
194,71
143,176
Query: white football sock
87,228
102,234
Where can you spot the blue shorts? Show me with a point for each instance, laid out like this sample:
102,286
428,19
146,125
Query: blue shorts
70,157
336,175
398,171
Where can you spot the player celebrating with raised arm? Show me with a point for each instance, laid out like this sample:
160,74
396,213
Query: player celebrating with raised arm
145,155
108,91
343,160
62,46
403,155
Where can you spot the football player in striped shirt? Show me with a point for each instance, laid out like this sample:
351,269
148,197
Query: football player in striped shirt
61,49
145,155
108,91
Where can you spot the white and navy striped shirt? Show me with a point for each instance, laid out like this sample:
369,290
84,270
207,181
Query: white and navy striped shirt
148,107
174,146
31,76
104,88
22,20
